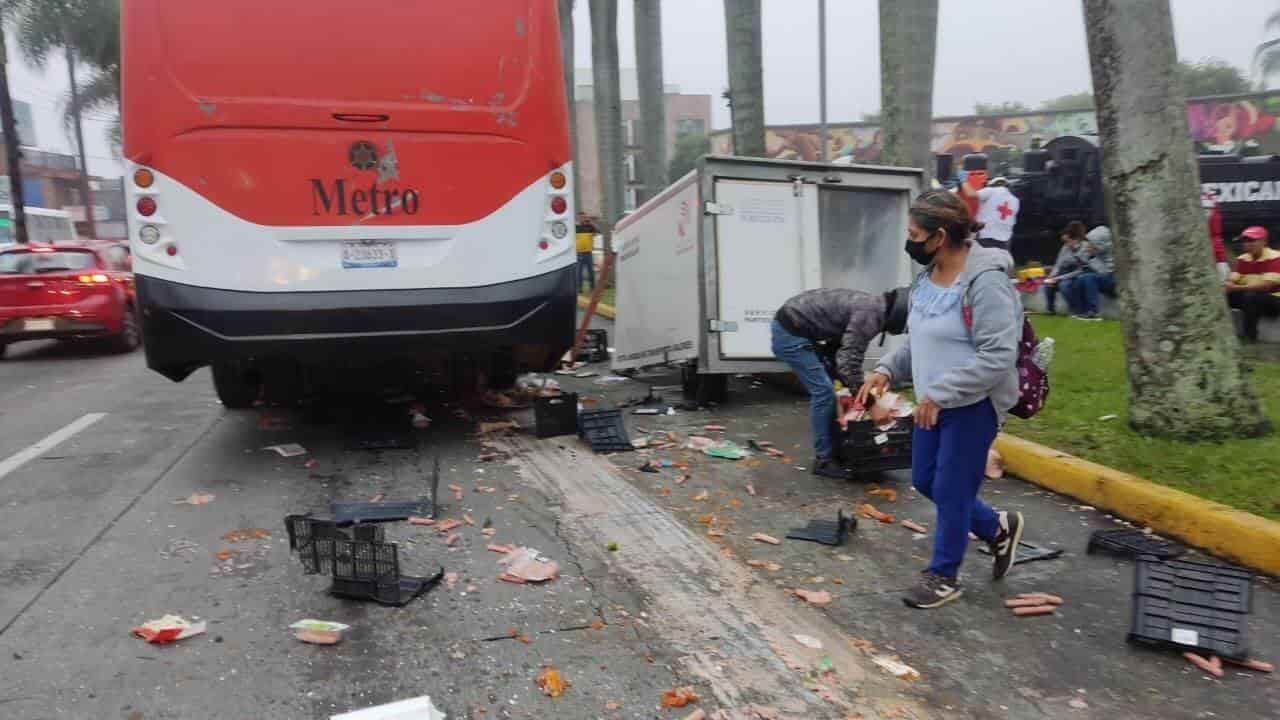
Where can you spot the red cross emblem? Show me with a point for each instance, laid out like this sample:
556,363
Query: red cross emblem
1004,210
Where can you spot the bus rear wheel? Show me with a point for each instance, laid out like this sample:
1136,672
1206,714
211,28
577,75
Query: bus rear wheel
237,388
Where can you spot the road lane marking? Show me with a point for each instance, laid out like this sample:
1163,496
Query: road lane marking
22,457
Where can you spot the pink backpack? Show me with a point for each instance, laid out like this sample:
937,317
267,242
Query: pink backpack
1033,380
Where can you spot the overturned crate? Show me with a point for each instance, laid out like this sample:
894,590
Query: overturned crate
865,448
362,564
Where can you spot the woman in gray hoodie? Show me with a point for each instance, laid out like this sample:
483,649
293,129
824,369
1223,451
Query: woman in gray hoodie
963,325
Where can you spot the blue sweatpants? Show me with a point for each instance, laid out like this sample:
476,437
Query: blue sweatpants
947,466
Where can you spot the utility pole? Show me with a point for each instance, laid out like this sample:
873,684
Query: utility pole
13,155
86,196
822,78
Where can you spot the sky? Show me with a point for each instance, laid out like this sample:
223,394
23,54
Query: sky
988,50
46,91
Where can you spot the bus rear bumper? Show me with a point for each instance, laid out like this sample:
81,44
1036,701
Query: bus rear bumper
186,327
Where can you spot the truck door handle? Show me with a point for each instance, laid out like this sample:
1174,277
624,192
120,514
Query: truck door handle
361,117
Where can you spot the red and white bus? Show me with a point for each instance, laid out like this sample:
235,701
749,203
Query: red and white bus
312,183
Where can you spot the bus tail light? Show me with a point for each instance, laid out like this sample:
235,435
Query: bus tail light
146,206
558,180
559,230
171,250
559,205
149,234
143,178
543,244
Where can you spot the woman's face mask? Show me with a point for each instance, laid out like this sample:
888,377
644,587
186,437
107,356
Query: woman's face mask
922,245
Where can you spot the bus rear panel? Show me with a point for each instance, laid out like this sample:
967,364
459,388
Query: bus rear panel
313,183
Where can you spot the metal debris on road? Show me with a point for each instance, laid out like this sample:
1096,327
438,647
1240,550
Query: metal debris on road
827,532
167,629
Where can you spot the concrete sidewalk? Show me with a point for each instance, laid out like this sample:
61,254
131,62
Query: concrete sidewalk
975,657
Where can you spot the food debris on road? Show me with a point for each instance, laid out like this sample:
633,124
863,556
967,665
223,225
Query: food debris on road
196,499
761,537
813,597
896,667
319,632
914,527
868,510
679,697
167,629
551,682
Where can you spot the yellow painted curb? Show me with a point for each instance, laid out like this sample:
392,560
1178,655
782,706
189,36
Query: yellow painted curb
602,310
1222,530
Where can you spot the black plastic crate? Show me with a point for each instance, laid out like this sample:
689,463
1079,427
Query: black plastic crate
1123,542
865,449
1170,625
595,347
1201,584
365,570
349,513
865,434
313,540
604,430
555,416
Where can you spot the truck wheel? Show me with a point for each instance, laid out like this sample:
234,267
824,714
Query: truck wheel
130,335
502,373
3,348
712,389
235,387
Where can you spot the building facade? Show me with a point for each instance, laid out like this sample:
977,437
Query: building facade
686,115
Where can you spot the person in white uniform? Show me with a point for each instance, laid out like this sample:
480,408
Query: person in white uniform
997,213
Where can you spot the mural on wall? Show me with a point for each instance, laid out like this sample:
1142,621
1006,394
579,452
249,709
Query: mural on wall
1240,124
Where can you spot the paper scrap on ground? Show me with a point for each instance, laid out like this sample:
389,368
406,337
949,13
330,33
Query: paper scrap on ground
196,499
168,629
896,668
287,450
809,642
526,565
814,597
419,708
726,450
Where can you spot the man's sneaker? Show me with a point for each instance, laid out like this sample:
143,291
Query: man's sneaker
1087,317
1005,547
831,469
932,592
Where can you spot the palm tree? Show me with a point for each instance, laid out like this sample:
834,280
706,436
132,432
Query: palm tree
1266,57
570,87
743,36
608,111
653,101
1186,379
86,31
908,40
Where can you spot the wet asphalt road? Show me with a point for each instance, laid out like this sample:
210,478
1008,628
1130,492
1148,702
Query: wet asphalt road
93,544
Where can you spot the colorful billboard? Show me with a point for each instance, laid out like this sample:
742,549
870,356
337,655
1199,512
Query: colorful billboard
1244,124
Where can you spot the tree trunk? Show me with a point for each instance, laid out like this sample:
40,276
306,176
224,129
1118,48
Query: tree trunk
746,75
13,155
1185,375
653,99
86,197
908,40
570,87
608,111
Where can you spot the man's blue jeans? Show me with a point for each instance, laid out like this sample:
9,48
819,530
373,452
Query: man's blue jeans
1088,289
586,270
947,466
798,352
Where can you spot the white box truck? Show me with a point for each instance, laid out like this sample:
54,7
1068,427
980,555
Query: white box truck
703,267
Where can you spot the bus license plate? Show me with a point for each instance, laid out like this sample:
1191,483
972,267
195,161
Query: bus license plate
368,254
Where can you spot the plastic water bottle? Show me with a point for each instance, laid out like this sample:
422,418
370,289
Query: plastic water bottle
1043,354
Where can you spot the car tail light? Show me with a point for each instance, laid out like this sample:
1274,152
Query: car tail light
559,205
146,206
95,278
558,180
143,178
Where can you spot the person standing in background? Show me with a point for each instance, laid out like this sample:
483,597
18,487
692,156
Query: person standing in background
998,214
585,239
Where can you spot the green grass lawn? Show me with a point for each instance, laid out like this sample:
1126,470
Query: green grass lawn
1088,382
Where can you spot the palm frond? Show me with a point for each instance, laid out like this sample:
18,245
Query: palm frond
101,92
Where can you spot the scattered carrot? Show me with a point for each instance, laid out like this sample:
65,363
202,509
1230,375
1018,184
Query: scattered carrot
869,511
1205,665
1036,610
914,527
707,519
223,555
813,597
421,521
1046,598
751,489
714,532
467,519
551,682
504,549
679,697
889,494
451,540
761,537
447,525
1258,665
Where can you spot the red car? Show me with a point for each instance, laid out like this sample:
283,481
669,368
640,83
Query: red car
67,292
